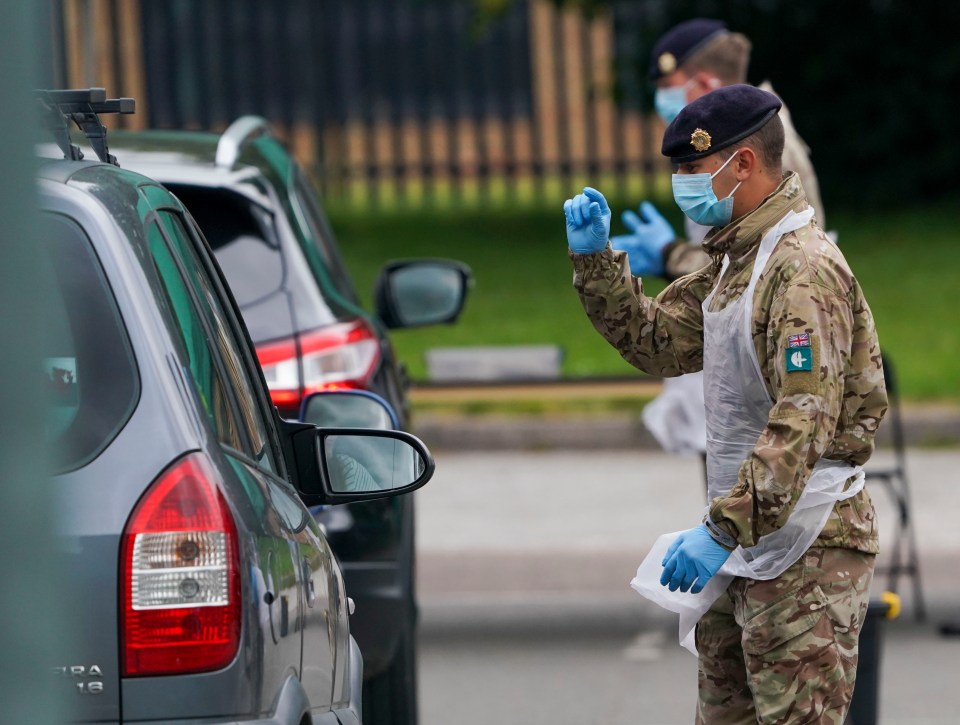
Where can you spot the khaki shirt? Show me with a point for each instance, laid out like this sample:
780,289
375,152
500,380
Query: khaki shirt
829,412
683,257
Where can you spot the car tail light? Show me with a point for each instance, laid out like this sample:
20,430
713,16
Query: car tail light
180,575
344,355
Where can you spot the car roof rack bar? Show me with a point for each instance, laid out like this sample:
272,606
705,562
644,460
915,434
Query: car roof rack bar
237,135
56,124
82,106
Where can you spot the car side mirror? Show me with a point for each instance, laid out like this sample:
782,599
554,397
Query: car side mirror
348,409
415,293
344,465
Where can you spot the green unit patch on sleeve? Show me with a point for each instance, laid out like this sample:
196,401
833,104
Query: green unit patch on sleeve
799,359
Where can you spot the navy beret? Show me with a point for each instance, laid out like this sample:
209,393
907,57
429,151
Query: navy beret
680,42
716,120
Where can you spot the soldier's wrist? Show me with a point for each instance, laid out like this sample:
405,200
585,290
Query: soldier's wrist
719,535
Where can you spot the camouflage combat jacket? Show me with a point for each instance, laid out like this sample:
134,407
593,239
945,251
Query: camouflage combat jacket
683,257
831,411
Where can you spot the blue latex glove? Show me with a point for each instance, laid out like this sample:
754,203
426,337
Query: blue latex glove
692,560
650,233
588,221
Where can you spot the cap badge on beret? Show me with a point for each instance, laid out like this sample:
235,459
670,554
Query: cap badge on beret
667,62
700,139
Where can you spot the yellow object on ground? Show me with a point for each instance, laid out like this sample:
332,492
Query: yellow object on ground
892,601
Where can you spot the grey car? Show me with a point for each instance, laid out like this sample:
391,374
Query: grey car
202,589
267,227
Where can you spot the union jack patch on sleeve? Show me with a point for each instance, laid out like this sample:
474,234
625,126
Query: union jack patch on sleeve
802,340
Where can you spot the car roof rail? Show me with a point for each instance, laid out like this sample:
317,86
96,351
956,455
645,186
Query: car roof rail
239,134
82,106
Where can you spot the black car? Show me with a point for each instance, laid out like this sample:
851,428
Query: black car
201,588
270,235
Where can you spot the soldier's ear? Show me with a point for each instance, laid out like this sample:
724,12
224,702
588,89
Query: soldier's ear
747,163
706,81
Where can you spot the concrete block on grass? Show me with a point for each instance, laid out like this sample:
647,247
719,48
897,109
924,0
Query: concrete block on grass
493,363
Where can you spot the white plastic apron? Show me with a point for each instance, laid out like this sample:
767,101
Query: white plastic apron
736,416
676,417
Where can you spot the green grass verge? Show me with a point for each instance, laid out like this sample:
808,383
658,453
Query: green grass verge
906,261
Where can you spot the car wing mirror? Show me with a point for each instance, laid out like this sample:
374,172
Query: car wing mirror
415,293
348,409
345,465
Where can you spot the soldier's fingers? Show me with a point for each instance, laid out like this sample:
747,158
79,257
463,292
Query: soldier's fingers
568,211
576,216
596,218
676,580
671,550
630,220
649,212
681,577
585,204
704,576
596,196
581,209
669,567
688,576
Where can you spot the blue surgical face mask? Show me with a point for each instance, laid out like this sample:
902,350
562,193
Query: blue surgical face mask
696,198
670,101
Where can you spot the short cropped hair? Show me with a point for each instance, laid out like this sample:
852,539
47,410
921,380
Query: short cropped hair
726,56
767,142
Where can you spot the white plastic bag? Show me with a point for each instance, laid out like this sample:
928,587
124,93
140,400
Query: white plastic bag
676,417
689,606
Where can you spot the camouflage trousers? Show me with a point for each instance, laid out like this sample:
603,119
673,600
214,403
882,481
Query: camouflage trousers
785,650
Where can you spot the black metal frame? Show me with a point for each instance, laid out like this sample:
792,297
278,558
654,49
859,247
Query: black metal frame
82,106
904,560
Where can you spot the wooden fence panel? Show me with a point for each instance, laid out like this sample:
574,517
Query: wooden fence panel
412,102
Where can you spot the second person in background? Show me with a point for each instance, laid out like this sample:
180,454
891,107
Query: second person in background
688,61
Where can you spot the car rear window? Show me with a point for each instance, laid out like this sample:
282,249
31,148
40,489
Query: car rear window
249,258
91,373
270,279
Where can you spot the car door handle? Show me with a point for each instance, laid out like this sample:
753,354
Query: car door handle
270,596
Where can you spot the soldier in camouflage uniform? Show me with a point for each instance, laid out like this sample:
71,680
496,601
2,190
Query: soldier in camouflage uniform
784,649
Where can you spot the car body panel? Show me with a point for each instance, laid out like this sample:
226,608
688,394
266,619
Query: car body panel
376,549
281,547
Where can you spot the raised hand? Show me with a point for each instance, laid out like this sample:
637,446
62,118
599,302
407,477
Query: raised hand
650,232
588,221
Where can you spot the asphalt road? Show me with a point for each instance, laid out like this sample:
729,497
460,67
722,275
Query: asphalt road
527,616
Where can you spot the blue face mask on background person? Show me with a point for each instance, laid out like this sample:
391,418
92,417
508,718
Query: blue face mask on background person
670,101
696,198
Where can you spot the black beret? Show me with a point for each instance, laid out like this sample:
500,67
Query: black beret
716,120
680,42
